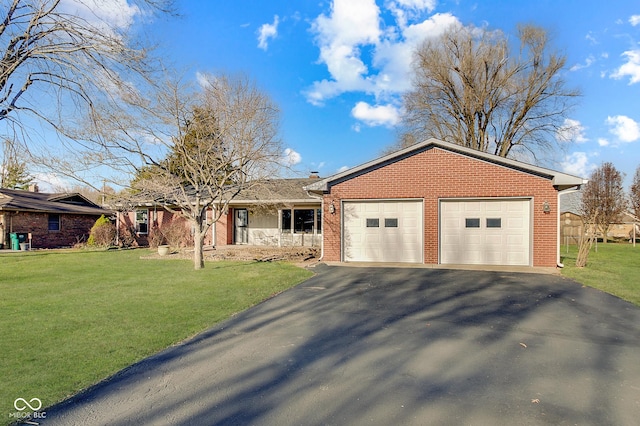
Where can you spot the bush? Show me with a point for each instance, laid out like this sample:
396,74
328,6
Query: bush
176,233
156,237
103,233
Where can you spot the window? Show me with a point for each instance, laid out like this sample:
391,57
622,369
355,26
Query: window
54,222
391,223
472,223
286,220
373,223
142,221
494,223
303,221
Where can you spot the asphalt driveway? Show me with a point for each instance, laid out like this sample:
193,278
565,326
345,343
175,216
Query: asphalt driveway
384,346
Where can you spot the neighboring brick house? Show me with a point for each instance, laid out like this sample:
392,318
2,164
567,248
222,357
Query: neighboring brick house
439,203
53,220
277,212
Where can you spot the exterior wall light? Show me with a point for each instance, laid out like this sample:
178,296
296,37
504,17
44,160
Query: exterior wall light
546,208
332,208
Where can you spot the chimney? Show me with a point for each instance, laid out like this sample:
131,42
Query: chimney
33,187
314,175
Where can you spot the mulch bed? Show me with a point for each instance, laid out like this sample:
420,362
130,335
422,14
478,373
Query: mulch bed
298,255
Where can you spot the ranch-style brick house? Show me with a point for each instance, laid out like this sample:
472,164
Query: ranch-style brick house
439,203
278,212
52,219
431,203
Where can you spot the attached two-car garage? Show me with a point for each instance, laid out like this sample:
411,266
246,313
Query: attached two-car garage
491,232
439,203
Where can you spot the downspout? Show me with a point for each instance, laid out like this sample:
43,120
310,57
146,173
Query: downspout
321,198
558,242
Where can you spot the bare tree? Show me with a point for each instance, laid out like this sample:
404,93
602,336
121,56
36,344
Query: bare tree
59,57
473,88
193,151
603,198
13,172
634,193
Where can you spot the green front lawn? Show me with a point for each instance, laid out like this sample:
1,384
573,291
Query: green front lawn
71,318
614,268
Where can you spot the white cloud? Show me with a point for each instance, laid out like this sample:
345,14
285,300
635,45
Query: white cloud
204,80
631,68
590,37
353,29
103,14
379,115
587,63
634,20
266,32
403,10
571,131
624,128
603,142
291,158
577,164
52,182
343,168
393,56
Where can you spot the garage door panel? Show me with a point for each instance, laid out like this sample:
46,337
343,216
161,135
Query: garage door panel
397,238
501,237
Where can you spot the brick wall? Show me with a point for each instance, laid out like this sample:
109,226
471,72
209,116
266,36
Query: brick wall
437,173
224,229
158,218
73,228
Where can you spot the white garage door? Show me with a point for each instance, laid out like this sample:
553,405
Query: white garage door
382,231
485,232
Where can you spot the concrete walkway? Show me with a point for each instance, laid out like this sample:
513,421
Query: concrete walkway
385,346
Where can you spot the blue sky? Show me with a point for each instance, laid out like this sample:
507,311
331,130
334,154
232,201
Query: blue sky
338,68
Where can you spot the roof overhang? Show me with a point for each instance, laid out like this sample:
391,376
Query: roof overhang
561,181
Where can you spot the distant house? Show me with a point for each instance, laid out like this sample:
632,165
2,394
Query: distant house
52,220
277,212
622,227
571,226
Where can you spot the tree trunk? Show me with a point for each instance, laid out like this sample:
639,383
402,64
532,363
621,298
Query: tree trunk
198,243
583,251
586,241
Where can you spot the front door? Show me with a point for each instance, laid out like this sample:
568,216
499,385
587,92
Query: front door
241,226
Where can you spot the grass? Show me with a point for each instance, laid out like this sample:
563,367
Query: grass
614,268
69,319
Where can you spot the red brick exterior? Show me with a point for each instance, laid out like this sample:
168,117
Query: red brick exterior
436,174
158,218
224,229
74,228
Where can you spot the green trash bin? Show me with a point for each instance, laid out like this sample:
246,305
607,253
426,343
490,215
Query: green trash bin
15,243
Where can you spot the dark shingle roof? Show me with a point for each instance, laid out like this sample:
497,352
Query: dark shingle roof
42,202
277,191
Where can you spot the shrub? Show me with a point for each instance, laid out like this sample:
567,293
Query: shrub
127,236
103,233
176,233
156,237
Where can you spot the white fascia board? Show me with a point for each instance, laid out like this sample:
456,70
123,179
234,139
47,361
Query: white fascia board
559,179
